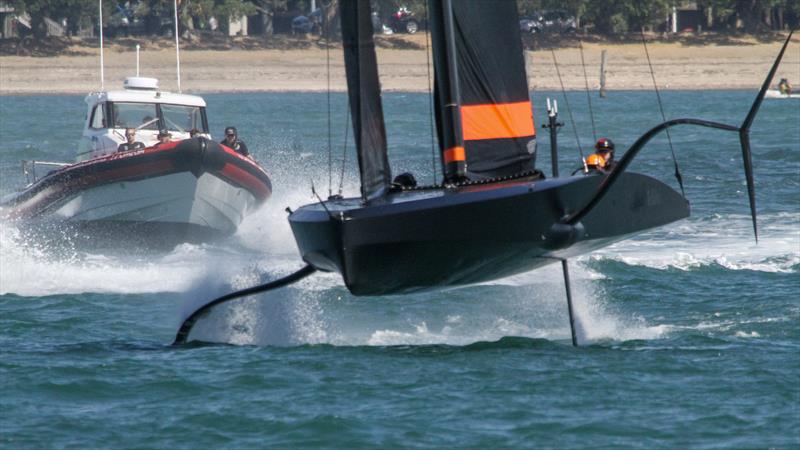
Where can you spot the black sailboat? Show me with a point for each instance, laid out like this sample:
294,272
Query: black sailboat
495,214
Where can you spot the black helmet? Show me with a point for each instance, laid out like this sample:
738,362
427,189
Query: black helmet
604,145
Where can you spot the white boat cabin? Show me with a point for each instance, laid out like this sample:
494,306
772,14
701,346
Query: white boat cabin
141,105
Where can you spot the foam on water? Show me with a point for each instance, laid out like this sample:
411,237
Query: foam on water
28,269
725,240
318,310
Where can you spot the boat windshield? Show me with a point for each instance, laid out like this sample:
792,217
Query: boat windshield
147,116
136,115
182,118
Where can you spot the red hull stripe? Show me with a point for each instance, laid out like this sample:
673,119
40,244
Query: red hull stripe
497,121
243,178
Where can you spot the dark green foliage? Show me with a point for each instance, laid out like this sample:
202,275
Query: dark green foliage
599,16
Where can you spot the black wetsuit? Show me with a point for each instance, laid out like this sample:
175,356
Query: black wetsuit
238,145
124,147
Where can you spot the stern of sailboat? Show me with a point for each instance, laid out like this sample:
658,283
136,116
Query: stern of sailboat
419,240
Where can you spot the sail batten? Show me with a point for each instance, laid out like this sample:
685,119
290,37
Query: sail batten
363,87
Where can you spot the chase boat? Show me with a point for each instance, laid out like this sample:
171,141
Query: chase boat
187,190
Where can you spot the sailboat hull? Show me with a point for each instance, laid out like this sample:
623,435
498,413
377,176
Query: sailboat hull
424,239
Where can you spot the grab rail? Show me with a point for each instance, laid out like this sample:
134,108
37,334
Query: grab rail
29,168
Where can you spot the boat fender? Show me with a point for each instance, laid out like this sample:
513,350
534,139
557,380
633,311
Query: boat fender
214,157
562,235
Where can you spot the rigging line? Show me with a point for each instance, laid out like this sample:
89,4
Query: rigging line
330,146
678,175
569,109
588,97
430,96
344,148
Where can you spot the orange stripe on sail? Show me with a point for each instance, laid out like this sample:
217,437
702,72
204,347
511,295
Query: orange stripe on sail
454,154
497,121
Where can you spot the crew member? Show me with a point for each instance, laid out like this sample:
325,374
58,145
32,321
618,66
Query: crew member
785,87
164,137
232,140
131,143
605,149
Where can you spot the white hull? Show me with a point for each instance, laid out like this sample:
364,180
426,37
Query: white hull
175,199
774,93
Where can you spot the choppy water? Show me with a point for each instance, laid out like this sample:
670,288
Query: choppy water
690,333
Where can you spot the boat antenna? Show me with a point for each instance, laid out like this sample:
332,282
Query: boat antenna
102,73
566,101
430,94
588,97
177,46
137,60
678,175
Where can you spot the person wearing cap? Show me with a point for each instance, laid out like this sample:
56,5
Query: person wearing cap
232,140
163,137
130,141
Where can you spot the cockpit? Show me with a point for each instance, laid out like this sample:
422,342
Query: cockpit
144,108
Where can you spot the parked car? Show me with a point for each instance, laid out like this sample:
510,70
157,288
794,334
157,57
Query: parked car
308,24
548,22
124,21
403,21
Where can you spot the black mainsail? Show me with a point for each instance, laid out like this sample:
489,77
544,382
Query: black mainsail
484,116
363,87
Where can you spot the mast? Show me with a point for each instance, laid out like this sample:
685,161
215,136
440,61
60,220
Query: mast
448,92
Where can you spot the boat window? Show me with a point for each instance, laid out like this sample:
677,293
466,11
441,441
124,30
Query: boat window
136,115
182,118
98,118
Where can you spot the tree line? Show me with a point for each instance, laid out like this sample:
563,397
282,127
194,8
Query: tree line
606,17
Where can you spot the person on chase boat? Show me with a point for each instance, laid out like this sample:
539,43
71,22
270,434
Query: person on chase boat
131,142
232,140
164,136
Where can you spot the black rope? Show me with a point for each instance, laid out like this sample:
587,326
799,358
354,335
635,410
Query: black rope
430,97
344,148
569,110
588,97
678,175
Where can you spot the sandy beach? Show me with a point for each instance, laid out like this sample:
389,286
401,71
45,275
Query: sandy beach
741,64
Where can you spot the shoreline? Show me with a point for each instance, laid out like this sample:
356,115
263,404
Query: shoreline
742,66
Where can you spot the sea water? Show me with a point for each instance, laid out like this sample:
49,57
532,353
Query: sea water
690,334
